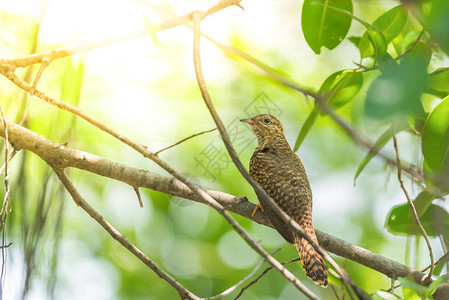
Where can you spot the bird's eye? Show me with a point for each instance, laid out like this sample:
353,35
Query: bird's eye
267,121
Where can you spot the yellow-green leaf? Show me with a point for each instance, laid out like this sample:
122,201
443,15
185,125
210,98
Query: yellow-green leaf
439,80
341,87
389,25
435,137
323,27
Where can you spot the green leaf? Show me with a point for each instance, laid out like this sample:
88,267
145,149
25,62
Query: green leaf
375,35
438,178
392,22
435,137
439,80
421,51
435,221
422,202
341,87
390,25
311,119
380,142
441,264
397,91
355,40
412,290
376,41
323,27
338,89
398,43
435,284
372,43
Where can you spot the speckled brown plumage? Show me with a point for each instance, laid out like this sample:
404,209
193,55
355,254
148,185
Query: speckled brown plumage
281,174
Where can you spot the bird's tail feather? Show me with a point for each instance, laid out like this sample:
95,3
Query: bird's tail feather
312,261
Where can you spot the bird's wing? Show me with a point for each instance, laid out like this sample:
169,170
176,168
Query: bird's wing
284,229
286,182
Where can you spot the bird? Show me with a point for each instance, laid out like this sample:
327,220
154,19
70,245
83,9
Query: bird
281,174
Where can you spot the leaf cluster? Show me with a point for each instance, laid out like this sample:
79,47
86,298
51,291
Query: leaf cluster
401,68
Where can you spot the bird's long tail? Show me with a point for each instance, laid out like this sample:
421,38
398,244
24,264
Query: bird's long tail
312,261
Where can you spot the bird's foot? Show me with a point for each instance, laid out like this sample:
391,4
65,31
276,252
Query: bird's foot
255,210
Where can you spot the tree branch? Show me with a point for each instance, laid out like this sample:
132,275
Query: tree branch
66,157
61,156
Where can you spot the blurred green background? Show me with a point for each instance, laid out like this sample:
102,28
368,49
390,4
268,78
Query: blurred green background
147,90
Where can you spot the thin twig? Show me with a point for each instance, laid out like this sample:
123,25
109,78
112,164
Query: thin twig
392,287
335,292
11,156
4,211
261,275
136,189
412,206
335,274
259,190
183,140
234,287
441,70
183,292
5,246
446,255
46,60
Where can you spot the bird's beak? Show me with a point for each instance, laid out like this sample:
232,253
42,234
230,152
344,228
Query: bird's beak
250,121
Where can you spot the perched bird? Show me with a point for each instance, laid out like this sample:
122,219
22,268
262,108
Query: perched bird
281,174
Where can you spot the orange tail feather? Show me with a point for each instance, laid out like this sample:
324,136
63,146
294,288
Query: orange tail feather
312,261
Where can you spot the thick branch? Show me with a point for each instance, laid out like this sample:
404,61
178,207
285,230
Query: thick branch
63,157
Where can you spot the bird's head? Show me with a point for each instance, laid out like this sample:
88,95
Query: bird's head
267,129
